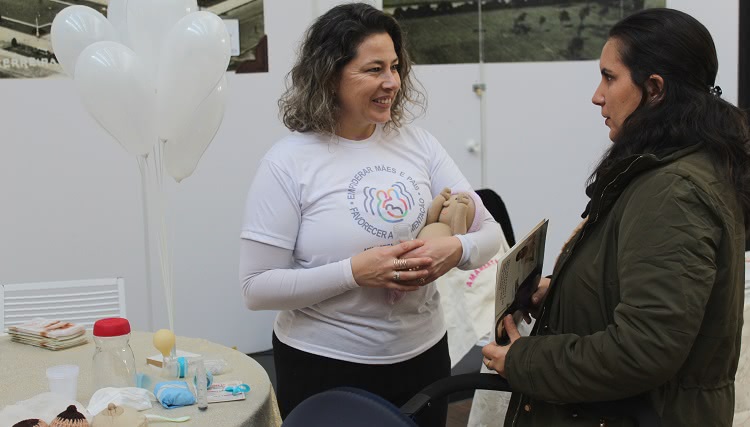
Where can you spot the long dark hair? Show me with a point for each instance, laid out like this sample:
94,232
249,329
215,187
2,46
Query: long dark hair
309,103
680,49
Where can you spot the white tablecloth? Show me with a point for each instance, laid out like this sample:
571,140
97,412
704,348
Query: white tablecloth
22,369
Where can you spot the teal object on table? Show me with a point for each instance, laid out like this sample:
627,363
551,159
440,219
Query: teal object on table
237,389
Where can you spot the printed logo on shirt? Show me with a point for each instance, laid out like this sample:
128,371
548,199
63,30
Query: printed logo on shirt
380,196
391,205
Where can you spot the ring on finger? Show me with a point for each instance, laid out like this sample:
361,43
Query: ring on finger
422,281
487,363
399,264
396,276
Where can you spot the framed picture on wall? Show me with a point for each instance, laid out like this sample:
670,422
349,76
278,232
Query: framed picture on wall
443,32
26,49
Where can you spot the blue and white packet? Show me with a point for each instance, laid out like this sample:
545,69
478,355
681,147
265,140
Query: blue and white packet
173,394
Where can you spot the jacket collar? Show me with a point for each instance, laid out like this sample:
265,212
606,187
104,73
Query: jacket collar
605,191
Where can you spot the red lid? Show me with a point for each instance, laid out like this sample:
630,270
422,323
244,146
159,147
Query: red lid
111,327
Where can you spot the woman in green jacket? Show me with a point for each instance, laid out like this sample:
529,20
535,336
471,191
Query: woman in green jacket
644,309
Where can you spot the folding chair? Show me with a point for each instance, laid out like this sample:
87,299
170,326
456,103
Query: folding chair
348,406
78,301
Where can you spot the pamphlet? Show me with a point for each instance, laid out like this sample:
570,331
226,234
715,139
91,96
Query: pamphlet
48,333
518,274
48,328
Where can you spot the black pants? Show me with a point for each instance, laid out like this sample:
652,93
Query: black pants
300,375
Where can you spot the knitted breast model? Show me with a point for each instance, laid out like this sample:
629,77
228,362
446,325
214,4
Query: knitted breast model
31,423
70,418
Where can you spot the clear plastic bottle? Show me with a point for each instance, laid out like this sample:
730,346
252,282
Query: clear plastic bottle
201,385
175,367
114,363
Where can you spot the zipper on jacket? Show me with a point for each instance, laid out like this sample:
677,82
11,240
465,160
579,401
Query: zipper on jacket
583,230
518,409
570,250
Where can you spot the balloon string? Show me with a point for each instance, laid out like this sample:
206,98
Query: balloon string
165,252
165,238
158,196
146,239
127,8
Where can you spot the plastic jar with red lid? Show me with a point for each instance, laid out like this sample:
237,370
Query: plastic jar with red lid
114,363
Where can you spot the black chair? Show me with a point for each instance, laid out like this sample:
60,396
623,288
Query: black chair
348,406
494,204
472,360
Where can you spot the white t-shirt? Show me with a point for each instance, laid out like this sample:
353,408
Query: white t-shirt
327,199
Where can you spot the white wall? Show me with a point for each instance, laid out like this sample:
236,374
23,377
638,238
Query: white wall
70,196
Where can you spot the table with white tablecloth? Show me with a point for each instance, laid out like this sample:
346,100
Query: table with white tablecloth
22,369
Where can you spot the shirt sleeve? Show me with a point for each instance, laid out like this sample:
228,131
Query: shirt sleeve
270,281
479,246
272,209
443,171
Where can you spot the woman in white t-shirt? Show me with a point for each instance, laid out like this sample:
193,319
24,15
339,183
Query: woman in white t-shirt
317,236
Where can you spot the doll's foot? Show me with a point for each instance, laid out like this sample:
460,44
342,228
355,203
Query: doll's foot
463,198
446,193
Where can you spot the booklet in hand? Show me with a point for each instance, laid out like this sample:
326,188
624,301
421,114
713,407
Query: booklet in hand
518,274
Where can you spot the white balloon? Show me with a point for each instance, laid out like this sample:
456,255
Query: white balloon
117,15
194,59
149,21
113,85
182,153
74,29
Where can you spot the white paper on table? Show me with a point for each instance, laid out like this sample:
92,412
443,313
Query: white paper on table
216,392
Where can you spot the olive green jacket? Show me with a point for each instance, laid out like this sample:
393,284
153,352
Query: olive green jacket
646,299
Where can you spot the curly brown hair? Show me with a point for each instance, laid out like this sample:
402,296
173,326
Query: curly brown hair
309,102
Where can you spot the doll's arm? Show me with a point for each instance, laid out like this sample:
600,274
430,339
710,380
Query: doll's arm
437,205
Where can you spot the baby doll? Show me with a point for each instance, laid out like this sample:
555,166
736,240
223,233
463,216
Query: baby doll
451,214
448,215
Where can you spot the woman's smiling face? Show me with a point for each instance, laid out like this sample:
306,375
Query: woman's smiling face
367,87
